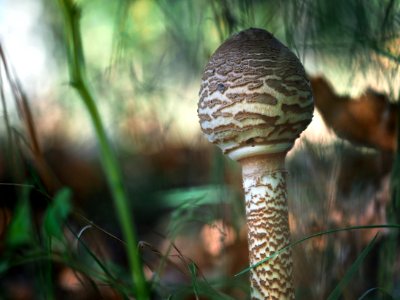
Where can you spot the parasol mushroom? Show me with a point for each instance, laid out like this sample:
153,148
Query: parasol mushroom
255,100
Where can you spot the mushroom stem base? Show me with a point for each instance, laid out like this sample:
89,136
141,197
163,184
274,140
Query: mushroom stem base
264,182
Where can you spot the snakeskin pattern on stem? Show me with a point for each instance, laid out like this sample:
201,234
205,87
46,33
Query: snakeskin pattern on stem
268,229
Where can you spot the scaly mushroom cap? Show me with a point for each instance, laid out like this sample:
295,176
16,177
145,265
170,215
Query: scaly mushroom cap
255,98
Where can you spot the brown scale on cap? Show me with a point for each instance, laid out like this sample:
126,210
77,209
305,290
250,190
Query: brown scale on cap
255,100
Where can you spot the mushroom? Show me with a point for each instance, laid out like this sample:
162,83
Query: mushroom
255,100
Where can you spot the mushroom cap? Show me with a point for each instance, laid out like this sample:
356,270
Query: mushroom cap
255,97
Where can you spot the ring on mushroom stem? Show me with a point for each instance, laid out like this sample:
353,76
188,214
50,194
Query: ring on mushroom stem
255,100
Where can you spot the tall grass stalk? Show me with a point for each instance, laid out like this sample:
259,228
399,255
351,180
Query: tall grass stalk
77,70
4,104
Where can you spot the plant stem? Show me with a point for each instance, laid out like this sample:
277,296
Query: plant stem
71,14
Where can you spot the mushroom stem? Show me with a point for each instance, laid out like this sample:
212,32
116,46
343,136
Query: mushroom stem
264,183
255,100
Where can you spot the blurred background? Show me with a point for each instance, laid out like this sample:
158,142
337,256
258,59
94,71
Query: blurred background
144,62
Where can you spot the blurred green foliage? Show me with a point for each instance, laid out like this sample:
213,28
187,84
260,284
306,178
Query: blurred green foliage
144,61
145,57
57,213
20,231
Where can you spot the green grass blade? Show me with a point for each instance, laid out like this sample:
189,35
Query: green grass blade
337,292
56,214
76,64
203,288
202,195
112,280
386,295
392,226
193,272
20,230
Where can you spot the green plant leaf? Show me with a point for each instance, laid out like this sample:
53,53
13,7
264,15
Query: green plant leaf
20,229
57,213
336,293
